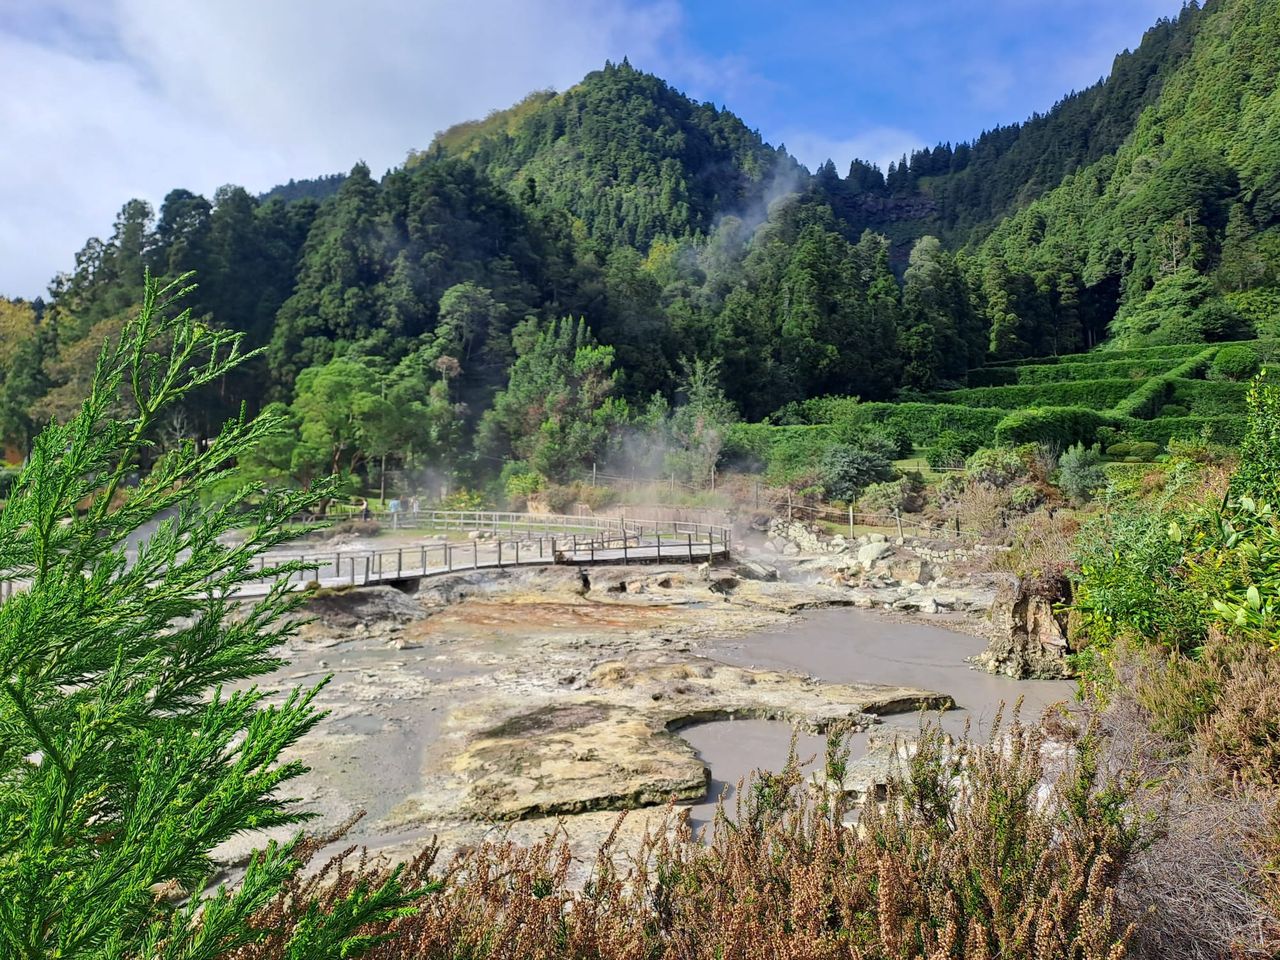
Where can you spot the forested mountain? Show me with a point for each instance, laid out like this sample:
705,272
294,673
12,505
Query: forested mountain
1143,209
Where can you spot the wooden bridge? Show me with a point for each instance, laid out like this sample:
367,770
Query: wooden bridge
498,541
495,541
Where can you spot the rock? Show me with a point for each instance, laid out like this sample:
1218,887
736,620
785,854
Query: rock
790,550
869,554
928,605
751,570
910,568
877,538
1028,638
359,609
474,535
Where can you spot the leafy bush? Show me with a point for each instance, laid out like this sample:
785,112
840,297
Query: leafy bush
1258,475
846,471
784,453
1151,395
1025,498
519,482
890,442
951,449
995,376
995,466
1236,362
463,499
1056,426
1080,472
1173,410
906,495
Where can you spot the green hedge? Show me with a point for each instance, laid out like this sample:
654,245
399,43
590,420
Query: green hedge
1094,394
1146,400
1057,426
1228,431
1209,398
997,376
1101,370
1103,355
922,422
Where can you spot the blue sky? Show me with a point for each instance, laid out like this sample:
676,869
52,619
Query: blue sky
111,99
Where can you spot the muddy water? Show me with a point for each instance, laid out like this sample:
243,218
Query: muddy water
844,645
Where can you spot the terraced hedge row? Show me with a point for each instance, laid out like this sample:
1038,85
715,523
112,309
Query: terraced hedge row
1145,402
1094,394
1208,398
1180,351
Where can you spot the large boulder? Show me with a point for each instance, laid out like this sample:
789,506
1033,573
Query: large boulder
1028,635
871,552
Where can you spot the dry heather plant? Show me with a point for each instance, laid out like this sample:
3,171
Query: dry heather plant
970,856
1204,884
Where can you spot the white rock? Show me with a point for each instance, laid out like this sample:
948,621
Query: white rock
871,552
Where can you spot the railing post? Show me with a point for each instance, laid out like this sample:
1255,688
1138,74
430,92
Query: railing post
399,562
367,560
689,538
475,554
499,553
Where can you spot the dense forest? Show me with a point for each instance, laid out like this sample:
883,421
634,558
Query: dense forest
530,285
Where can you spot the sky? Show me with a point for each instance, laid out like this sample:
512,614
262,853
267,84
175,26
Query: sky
104,100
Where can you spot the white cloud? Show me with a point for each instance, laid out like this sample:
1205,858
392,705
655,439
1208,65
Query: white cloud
878,145
151,95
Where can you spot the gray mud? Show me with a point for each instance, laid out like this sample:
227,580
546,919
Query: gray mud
841,645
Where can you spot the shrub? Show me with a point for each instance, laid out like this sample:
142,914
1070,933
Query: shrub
1259,473
1056,426
1025,498
975,844
1173,410
920,422
784,453
1080,472
995,466
888,442
1236,362
519,482
951,449
904,494
463,499
846,471
1139,451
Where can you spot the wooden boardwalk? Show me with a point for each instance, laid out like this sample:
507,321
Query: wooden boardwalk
500,541
494,541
